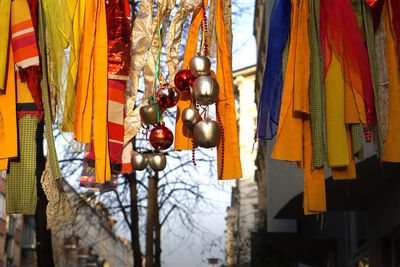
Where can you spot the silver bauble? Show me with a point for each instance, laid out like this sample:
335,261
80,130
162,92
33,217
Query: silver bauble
200,65
205,90
148,113
138,161
190,116
157,162
207,133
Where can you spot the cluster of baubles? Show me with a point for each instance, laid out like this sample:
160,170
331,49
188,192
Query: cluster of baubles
204,90
161,137
156,161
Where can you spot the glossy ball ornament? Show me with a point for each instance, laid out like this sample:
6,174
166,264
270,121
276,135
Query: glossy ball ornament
190,116
161,137
148,113
200,65
157,162
184,79
167,96
207,133
138,161
205,90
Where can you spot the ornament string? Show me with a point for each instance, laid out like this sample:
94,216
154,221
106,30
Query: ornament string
153,98
204,41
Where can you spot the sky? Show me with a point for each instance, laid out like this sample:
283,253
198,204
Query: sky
192,249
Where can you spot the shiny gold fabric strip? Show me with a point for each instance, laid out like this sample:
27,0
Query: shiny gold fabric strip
175,34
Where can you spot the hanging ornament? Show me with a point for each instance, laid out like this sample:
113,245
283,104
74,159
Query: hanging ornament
184,79
138,161
167,96
161,137
207,133
205,90
148,113
157,162
190,116
200,66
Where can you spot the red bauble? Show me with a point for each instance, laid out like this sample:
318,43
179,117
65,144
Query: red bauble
161,137
167,96
184,79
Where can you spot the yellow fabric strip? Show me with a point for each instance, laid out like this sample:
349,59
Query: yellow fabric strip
392,143
100,90
5,8
347,172
289,139
183,135
302,62
84,90
8,129
338,151
232,168
314,179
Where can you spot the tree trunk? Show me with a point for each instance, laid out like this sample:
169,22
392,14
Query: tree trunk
151,219
135,242
43,236
157,231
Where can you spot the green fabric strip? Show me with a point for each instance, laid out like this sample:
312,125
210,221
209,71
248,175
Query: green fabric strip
21,181
369,37
285,56
55,167
357,141
319,156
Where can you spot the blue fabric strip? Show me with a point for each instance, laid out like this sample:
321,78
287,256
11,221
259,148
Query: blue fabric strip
271,91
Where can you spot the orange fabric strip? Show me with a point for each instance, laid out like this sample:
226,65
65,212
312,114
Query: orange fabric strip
84,89
354,108
232,168
100,101
314,179
3,164
8,113
183,136
289,140
392,143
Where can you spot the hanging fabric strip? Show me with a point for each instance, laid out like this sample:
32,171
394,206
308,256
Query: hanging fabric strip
26,53
319,156
271,91
314,178
84,89
338,151
100,92
349,171
21,181
183,136
228,151
395,17
339,29
61,36
289,139
142,33
5,11
377,137
383,90
392,143
8,117
175,34
376,11
52,153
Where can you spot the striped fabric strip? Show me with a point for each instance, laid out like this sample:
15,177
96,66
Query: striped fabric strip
23,37
319,155
357,141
